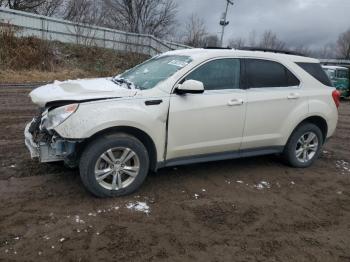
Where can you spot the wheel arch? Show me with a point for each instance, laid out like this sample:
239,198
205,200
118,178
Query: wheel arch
136,132
319,121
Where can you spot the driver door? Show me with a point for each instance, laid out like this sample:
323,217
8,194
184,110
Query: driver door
211,123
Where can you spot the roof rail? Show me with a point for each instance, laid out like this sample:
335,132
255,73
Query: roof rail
271,50
216,47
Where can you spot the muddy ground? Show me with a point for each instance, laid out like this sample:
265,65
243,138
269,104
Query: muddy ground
253,209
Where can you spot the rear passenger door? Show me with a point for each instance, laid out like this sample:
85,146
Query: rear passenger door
273,93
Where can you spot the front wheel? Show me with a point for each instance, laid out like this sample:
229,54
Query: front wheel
304,146
114,165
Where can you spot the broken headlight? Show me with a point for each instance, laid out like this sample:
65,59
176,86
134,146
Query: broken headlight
58,115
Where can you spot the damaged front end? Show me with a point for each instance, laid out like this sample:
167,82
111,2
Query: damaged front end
45,144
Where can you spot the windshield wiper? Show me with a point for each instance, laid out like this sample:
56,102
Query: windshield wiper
128,83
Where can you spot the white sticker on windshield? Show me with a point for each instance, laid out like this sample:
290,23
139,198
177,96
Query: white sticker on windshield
178,63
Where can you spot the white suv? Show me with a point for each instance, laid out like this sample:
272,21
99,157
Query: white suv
182,107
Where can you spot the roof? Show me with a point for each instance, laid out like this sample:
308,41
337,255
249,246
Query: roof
197,53
334,67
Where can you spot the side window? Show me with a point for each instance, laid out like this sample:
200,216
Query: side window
263,73
218,74
315,70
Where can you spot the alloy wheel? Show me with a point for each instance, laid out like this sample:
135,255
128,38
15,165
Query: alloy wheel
307,147
117,168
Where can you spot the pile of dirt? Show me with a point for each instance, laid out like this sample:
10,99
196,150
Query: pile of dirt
30,59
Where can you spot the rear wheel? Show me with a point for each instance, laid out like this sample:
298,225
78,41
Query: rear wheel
304,146
114,165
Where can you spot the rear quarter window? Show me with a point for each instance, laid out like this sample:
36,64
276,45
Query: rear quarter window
315,70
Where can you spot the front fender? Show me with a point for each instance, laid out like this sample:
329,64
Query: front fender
97,116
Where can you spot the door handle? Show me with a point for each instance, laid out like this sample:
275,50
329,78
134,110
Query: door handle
293,96
235,102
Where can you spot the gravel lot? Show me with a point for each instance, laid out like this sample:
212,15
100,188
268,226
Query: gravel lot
253,209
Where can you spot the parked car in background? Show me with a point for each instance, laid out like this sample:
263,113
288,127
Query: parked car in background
182,107
340,78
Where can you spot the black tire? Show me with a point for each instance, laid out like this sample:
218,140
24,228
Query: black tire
291,147
96,148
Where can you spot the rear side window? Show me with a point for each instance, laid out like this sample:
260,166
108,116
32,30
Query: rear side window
218,74
263,73
316,71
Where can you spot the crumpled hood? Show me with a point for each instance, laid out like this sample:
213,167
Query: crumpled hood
79,90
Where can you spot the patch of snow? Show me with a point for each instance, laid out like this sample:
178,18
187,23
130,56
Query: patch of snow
78,220
239,182
97,233
62,239
343,165
52,247
204,190
40,253
292,182
46,237
116,208
13,166
196,196
262,185
339,192
92,214
138,206
16,238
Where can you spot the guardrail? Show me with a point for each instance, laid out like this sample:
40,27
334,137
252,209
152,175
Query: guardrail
54,29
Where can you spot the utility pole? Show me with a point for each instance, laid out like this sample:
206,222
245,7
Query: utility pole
223,22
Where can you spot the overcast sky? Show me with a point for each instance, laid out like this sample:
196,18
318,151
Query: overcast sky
313,23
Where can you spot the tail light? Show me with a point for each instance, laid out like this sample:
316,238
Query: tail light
336,98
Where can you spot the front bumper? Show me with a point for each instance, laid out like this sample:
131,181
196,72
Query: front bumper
56,150
30,144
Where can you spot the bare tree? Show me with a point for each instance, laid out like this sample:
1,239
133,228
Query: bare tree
237,43
50,7
83,12
195,31
211,40
252,38
271,41
327,51
343,45
303,50
155,17
24,5
42,7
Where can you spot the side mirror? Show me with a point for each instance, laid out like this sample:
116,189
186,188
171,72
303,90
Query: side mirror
190,87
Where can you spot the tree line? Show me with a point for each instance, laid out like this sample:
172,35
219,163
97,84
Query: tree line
158,17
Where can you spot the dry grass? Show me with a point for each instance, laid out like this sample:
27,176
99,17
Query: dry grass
23,76
29,59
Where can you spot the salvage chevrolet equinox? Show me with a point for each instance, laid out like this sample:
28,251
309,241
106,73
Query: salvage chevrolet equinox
182,107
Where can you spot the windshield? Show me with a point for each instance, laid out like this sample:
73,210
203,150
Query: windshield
342,73
150,73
